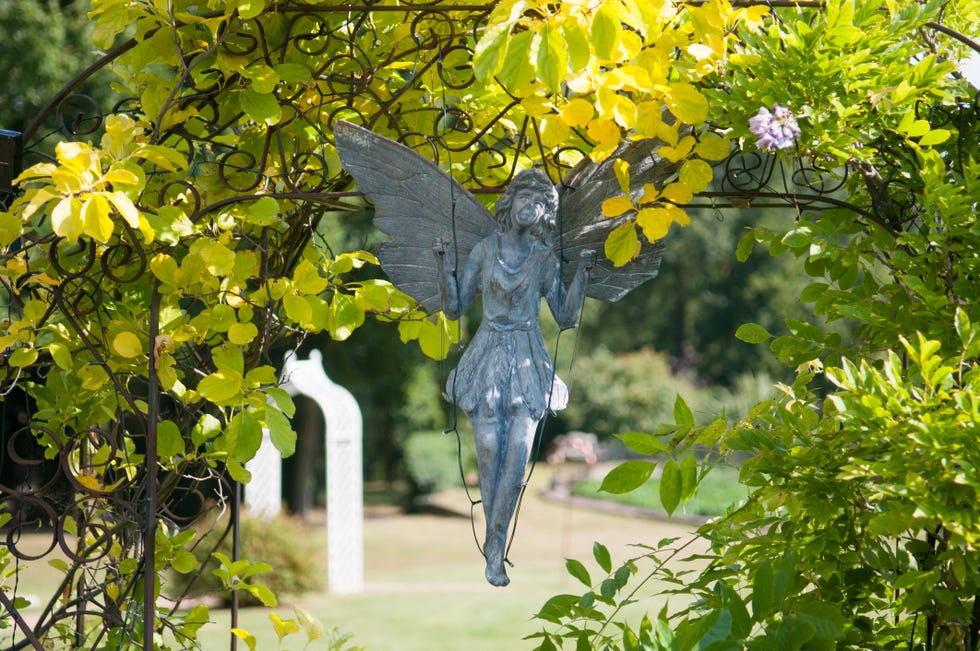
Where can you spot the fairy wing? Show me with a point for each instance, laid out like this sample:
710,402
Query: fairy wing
415,203
583,227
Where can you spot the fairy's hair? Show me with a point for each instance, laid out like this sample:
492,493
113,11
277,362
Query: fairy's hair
537,181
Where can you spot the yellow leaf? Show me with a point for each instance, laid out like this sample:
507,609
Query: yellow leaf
577,112
678,215
95,218
66,219
247,637
616,206
92,376
22,357
283,627
127,344
242,333
649,116
125,207
655,222
677,193
678,152
622,244
554,131
603,131
696,175
650,193
621,169
687,103
89,480
713,147
700,51
624,112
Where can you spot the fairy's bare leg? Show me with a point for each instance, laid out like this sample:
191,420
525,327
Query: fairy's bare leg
512,459
488,443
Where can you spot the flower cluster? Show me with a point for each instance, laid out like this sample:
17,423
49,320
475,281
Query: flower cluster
776,130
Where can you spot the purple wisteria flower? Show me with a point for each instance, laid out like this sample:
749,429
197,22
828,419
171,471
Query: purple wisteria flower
776,130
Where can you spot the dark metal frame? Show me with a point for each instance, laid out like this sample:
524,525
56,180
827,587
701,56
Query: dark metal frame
130,511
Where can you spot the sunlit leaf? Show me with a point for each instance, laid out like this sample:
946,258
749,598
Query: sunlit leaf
655,222
622,244
552,58
696,174
687,103
606,30
616,206
627,476
127,344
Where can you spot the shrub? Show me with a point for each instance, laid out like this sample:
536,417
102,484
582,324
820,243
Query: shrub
431,463
296,553
611,394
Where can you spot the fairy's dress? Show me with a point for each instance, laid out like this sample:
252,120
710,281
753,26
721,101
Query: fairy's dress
506,367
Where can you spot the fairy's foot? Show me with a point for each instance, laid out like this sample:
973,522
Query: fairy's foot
496,574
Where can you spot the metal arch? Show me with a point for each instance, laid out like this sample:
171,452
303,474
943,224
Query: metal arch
126,510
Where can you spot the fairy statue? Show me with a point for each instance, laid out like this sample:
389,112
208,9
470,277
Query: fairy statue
447,247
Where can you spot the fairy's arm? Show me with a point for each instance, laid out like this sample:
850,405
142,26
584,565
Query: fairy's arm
565,303
457,288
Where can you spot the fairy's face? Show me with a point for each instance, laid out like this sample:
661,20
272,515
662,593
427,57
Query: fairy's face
528,208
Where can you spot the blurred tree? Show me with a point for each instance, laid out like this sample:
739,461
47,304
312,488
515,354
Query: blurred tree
46,43
691,311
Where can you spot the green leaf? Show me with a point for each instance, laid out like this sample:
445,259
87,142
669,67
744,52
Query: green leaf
827,618
489,52
242,333
642,443
244,434
689,476
579,53
627,476
745,245
961,322
577,570
752,333
222,387
552,58
280,431
762,590
601,554
263,212
263,108
169,441
557,608
183,562
22,357
671,486
606,31
283,400
622,244
248,9
934,137
207,428
517,73
682,413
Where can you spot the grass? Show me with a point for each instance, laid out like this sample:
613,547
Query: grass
424,579
715,494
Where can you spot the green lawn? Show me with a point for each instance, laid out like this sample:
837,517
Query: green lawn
424,579
716,492
425,587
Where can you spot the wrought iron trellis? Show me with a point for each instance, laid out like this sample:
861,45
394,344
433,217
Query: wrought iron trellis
56,494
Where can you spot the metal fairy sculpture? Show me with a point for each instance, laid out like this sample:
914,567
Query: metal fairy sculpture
447,247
